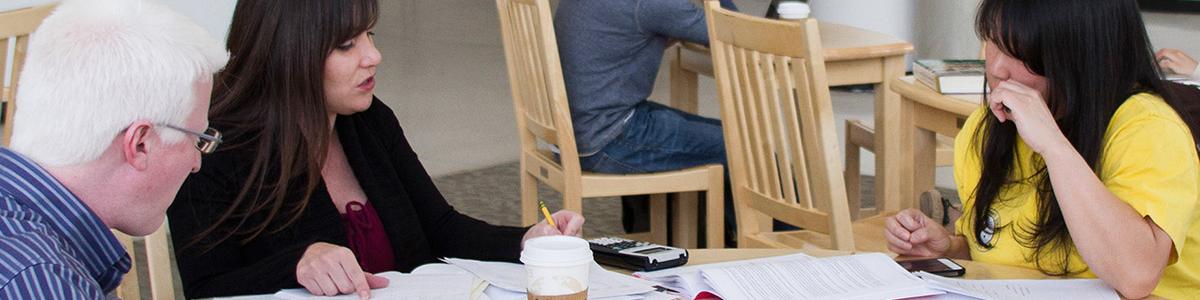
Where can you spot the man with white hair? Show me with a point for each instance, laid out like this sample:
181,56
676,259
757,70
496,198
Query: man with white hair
113,117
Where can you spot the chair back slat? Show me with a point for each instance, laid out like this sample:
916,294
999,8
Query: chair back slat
153,273
535,75
15,28
778,120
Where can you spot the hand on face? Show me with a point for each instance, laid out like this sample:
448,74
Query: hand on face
1175,61
569,223
330,270
1012,101
912,233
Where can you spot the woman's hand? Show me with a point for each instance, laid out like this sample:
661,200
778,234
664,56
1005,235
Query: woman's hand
569,223
1175,61
330,270
911,233
1013,101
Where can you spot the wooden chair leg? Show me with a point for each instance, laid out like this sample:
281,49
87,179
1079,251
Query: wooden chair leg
859,137
715,208
529,199
686,215
658,219
852,176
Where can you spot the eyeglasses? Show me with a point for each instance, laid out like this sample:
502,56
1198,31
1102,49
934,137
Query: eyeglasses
209,139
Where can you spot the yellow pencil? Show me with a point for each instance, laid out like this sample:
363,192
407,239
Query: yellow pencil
546,212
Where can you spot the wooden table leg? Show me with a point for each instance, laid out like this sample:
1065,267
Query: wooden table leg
889,158
923,146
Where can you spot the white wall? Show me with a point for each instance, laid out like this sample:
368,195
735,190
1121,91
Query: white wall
894,18
213,15
8,5
945,29
1168,30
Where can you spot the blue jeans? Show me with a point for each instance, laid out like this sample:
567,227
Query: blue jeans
659,138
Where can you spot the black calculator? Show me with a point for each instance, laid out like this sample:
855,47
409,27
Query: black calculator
636,255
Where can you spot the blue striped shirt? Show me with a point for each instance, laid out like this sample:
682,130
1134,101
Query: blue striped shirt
52,246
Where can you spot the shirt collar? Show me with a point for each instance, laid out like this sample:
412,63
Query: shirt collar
89,240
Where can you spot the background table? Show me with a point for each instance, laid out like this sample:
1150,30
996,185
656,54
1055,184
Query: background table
925,114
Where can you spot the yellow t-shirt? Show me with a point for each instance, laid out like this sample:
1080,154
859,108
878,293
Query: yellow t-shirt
1149,161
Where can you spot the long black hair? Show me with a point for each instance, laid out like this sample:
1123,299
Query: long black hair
1094,55
270,99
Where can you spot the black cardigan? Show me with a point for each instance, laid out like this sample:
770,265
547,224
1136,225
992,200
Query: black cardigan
420,224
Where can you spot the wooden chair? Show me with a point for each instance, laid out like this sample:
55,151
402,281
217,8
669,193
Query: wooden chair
15,28
859,135
780,134
153,274
540,99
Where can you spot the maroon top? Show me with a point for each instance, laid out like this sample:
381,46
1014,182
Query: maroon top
367,239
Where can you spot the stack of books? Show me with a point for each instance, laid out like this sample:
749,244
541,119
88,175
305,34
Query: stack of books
958,76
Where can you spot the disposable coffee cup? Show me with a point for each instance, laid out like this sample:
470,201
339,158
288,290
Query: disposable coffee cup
557,267
792,10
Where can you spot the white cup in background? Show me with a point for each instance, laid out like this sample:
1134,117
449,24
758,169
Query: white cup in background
792,10
557,267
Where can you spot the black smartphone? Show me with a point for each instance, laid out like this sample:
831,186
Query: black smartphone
938,266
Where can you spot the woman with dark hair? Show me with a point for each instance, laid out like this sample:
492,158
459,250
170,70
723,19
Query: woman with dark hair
318,186
1079,163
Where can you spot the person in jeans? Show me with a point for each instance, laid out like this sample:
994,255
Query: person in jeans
610,52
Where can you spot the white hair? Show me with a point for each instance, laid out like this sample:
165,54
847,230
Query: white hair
96,66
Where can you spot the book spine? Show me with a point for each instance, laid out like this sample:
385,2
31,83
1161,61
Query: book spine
926,76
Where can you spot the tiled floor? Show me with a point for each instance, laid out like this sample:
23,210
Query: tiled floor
444,75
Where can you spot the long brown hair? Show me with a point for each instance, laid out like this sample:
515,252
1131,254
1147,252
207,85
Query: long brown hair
270,99
1094,55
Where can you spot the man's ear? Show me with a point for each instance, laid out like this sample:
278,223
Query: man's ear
135,144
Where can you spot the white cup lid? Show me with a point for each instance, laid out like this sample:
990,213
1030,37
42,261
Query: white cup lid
556,250
792,8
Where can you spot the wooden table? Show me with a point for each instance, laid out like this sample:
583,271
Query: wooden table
925,114
852,56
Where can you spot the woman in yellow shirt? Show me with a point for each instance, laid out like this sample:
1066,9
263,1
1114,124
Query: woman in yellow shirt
1078,164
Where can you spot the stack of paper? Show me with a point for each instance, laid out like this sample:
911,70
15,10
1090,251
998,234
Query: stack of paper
1055,289
799,276
1184,80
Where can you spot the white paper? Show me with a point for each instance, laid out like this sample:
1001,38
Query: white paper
1183,79
862,276
509,276
742,279
406,286
1046,289
690,282
460,281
